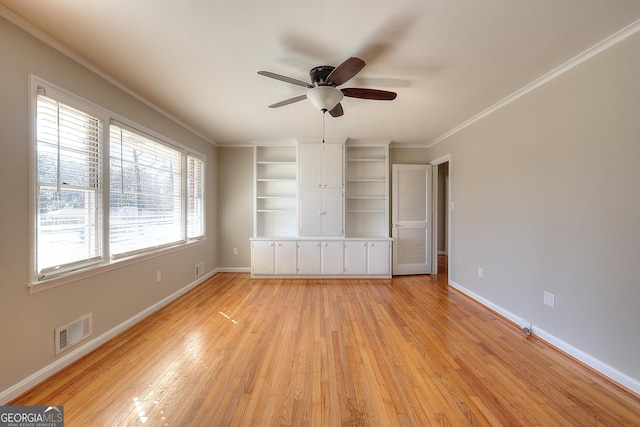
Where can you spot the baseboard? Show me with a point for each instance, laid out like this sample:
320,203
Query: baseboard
613,374
44,373
234,270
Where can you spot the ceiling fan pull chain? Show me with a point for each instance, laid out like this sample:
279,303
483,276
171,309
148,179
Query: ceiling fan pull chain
323,113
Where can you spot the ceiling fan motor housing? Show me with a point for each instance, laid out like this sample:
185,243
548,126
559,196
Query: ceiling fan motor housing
320,74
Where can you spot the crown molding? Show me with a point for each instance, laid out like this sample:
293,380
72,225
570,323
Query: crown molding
605,44
34,31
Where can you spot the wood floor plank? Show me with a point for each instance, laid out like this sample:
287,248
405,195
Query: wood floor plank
405,351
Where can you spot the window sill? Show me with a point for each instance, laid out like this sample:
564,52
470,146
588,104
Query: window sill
39,286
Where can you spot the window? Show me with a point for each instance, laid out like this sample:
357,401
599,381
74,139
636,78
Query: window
195,197
106,194
146,203
68,157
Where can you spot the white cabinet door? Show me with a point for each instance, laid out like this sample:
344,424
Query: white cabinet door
310,212
321,212
309,256
355,258
310,169
262,257
332,166
332,212
379,258
285,262
333,258
321,165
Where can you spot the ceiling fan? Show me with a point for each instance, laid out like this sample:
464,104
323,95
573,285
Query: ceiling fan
323,91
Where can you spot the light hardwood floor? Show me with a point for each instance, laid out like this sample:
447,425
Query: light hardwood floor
406,351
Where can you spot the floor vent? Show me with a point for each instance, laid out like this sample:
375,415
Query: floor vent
199,269
72,333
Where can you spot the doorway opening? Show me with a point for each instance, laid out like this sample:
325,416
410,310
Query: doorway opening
442,207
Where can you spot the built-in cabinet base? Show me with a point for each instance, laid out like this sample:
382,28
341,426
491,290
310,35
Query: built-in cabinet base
321,257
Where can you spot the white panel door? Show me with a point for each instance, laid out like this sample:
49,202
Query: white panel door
332,165
355,257
262,257
321,212
310,166
378,258
286,257
309,257
411,216
333,258
310,212
332,212
321,165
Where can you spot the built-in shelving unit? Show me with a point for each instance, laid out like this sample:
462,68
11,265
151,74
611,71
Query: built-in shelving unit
276,191
367,191
321,209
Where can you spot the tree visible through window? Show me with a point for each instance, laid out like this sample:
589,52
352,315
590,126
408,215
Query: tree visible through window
146,208
155,194
68,155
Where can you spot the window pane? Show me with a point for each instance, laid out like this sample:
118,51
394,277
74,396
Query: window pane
146,193
67,228
68,159
195,197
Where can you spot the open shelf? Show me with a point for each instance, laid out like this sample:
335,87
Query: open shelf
367,192
276,202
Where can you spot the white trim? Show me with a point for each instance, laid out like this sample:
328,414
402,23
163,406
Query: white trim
23,24
605,44
234,270
606,370
436,162
444,159
395,144
59,364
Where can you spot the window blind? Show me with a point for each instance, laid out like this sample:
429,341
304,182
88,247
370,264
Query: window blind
69,214
146,193
195,197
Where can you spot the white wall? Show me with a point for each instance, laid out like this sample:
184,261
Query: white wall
28,321
547,198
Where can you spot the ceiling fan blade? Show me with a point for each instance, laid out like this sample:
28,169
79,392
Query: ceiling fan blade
376,94
285,79
336,111
345,71
288,101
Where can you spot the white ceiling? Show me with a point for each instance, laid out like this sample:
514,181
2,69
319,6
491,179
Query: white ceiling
448,60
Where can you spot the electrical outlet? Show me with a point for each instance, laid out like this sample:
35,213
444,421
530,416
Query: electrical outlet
549,299
158,276
479,271
235,251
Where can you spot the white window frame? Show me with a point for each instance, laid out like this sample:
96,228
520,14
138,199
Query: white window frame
37,283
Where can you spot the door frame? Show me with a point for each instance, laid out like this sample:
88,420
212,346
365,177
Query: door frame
435,205
428,265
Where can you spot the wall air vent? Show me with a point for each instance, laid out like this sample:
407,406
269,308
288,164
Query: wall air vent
68,335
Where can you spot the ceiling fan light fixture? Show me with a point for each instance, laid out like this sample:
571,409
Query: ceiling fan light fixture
325,98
